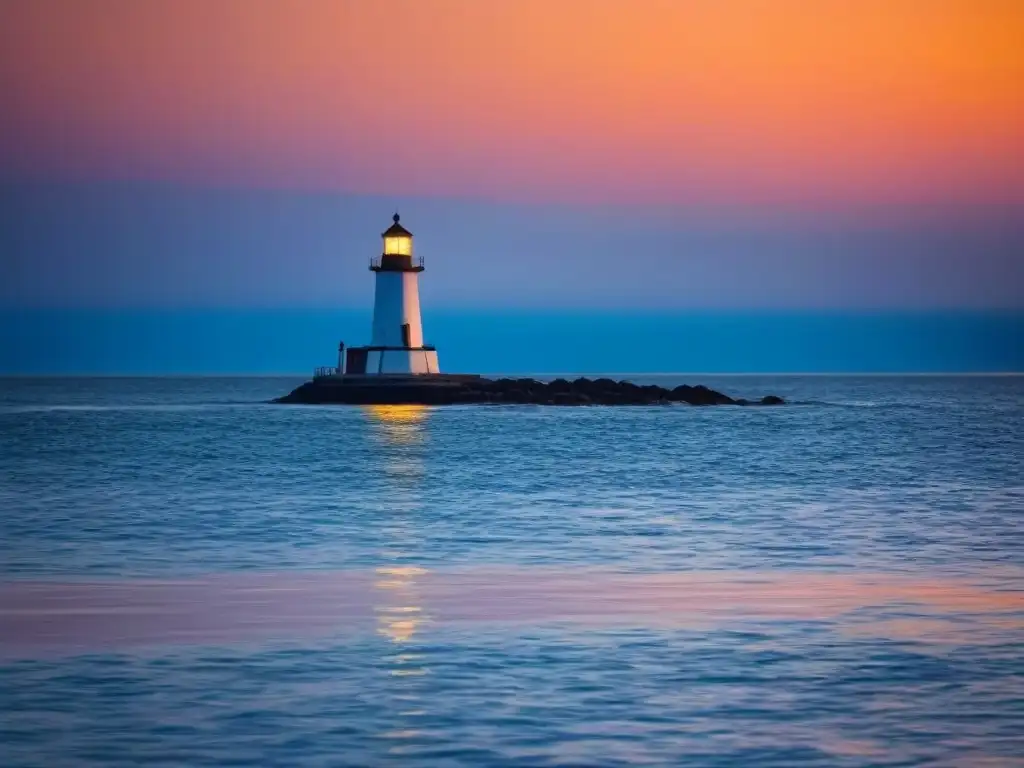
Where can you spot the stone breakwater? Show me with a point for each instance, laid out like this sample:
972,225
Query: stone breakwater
424,390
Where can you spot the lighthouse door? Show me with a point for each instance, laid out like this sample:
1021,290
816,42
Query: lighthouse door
405,335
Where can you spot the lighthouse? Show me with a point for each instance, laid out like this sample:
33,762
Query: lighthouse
396,344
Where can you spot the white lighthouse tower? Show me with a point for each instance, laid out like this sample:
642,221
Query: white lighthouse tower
396,346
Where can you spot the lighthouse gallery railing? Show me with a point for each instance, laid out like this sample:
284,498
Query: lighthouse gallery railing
375,262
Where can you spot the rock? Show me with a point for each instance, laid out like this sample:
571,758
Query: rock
450,390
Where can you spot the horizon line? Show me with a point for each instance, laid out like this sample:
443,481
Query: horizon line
585,374
540,309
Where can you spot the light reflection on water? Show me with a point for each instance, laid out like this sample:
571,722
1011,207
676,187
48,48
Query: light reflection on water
401,435
400,427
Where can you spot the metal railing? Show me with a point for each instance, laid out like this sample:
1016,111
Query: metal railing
375,262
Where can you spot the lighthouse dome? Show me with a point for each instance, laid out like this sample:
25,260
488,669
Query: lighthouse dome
397,239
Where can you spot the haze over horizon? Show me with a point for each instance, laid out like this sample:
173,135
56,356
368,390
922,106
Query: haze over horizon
580,157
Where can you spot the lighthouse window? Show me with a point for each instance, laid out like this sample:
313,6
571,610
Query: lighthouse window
401,246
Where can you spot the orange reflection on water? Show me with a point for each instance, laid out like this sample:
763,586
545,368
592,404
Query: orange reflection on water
398,413
399,431
397,601
399,424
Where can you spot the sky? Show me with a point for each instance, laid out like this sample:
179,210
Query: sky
580,155
818,103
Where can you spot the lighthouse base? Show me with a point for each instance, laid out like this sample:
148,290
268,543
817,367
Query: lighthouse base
392,360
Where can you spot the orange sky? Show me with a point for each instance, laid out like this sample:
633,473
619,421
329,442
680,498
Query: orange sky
780,101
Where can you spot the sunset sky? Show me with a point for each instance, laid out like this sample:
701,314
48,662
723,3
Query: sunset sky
779,102
679,154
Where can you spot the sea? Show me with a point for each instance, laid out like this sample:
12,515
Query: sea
193,576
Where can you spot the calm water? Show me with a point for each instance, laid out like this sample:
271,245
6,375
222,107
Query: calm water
194,577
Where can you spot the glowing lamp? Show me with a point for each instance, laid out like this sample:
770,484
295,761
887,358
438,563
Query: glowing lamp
397,239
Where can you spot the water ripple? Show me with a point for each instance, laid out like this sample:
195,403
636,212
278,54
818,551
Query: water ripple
194,577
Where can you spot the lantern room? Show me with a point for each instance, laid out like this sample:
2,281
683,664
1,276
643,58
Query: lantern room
397,239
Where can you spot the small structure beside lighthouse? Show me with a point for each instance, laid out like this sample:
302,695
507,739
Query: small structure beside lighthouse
396,344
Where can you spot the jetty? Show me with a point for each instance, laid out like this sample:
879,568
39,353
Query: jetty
331,387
